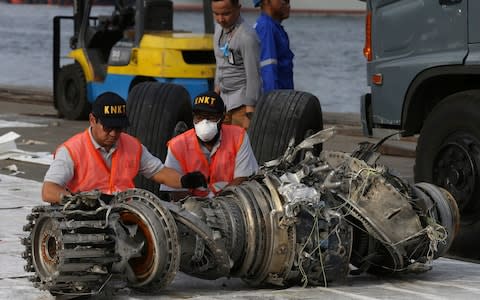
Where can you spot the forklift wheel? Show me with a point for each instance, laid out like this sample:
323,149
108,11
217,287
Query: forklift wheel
71,93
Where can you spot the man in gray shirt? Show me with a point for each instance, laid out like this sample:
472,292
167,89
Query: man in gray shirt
237,52
105,158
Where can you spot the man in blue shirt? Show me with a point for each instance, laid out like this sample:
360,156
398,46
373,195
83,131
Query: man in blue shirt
276,58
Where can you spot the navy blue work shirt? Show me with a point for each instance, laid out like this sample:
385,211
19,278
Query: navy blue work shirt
276,58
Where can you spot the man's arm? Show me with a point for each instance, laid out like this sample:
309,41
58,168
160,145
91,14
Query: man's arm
218,58
250,48
53,193
59,173
152,168
168,176
172,178
171,162
245,162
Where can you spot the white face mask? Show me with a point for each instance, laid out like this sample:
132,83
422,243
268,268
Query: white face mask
206,130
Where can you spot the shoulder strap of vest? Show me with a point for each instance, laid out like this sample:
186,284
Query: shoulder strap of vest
71,143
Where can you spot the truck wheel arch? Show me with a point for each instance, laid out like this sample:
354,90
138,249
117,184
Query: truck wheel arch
448,150
432,86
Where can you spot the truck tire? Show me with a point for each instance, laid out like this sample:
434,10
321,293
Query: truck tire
448,151
279,116
155,112
71,94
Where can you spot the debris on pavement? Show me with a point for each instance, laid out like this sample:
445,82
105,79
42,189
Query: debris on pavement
16,124
13,170
32,142
9,150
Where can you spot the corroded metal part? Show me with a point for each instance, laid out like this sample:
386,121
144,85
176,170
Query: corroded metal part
76,249
156,229
203,252
302,223
267,257
68,258
441,207
382,208
375,198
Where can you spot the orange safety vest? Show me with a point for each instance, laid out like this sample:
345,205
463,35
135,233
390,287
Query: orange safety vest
186,149
90,170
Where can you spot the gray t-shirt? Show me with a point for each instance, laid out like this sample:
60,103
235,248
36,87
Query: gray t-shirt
245,162
238,69
61,170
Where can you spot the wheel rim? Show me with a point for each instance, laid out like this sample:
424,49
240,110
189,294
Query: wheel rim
145,265
441,207
46,248
155,227
456,167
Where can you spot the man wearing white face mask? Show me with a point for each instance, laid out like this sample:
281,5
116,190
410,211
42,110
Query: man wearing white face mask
221,152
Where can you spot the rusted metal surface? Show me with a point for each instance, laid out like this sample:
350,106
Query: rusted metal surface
302,220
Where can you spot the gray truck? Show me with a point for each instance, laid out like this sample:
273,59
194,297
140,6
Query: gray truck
423,69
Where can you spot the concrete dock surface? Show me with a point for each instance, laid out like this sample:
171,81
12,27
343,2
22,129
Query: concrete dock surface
449,278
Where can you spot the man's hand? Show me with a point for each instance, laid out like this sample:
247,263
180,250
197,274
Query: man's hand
193,180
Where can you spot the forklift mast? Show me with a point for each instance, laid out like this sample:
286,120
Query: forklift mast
94,37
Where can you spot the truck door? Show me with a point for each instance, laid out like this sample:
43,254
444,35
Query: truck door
473,33
409,36
473,21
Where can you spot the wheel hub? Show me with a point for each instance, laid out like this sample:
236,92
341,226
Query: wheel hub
455,176
456,167
144,264
49,248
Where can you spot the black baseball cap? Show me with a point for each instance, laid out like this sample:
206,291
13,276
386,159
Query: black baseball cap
209,102
111,110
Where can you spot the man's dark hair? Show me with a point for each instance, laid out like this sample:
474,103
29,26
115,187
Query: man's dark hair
234,2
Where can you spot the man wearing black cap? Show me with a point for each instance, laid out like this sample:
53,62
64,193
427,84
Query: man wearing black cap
105,158
221,152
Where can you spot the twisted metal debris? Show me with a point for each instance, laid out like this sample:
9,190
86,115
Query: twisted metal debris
295,223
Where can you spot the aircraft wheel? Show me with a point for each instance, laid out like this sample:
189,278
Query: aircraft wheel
157,112
281,115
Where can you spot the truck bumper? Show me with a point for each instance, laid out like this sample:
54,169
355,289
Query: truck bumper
366,114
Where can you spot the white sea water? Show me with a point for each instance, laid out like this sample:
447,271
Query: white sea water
328,63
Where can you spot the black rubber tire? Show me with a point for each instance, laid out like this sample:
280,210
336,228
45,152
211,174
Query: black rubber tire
444,211
279,116
448,151
154,110
71,94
